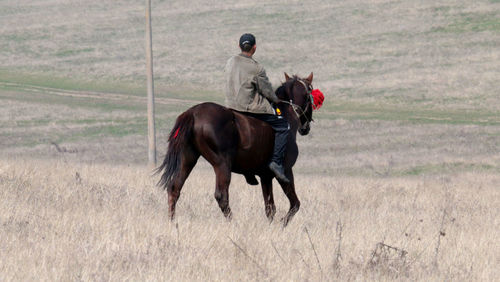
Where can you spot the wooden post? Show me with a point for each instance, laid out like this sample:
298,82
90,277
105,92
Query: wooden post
150,86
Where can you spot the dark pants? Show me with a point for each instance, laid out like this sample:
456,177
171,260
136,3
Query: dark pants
281,129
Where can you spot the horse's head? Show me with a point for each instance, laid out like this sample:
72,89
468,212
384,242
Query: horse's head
298,93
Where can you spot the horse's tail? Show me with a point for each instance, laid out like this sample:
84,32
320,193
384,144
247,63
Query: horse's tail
179,136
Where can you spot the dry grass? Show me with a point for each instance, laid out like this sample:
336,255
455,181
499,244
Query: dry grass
71,221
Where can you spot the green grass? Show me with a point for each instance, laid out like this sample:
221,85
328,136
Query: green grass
21,81
364,64
92,129
116,130
472,22
66,83
50,99
72,52
392,106
406,113
439,168
130,121
409,112
441,9
84,121
412,171
446,168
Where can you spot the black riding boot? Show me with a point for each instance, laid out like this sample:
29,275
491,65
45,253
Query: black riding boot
276,164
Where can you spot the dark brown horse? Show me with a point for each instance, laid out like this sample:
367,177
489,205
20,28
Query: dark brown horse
234,142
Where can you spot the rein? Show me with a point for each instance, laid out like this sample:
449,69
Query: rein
295,106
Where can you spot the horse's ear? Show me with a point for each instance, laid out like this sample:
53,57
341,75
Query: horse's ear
286,77
310,78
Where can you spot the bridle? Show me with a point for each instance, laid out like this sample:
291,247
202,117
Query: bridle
296,107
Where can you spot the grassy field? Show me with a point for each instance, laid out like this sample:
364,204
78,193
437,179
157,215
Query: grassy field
72,221
398,179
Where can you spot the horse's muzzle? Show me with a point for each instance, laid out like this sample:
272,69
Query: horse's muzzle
304,129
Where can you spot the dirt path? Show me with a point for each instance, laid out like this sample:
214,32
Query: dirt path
95,94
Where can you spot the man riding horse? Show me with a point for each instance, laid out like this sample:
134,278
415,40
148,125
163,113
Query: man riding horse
249,90
239,138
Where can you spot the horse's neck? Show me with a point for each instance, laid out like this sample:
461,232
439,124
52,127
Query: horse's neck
289,115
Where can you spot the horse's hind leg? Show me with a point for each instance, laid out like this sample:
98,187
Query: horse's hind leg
267,193
222,180
188,161
289,189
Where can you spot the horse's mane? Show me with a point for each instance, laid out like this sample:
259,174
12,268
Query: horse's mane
282,91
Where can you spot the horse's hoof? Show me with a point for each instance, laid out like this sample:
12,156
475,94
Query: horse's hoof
270,212
228,214
284,221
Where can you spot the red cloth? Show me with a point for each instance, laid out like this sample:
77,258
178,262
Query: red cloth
318,98
176,133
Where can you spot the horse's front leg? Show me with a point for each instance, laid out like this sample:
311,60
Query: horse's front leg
267,193
289,189
222,180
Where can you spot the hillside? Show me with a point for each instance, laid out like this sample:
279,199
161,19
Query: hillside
429,54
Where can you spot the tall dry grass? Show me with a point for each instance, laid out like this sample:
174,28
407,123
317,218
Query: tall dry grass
71,221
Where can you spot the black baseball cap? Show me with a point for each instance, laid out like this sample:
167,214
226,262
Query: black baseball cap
247,38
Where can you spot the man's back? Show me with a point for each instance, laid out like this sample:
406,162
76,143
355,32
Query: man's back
247,87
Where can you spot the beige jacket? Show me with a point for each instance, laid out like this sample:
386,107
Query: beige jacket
247,87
